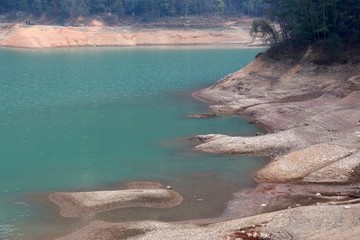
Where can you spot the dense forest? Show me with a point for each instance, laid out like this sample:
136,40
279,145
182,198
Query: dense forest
151,9
309,21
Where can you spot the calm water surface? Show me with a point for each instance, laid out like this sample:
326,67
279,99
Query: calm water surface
84,119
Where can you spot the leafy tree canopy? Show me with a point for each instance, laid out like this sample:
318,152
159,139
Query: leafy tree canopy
309,21
128,8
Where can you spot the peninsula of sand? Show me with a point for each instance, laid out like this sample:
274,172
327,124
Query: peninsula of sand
310,188
20,35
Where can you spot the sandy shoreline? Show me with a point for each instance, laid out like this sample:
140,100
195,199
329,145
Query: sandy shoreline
43,36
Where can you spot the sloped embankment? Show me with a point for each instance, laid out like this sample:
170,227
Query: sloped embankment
312,114
41,36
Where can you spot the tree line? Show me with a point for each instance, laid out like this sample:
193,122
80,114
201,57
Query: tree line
309,21
66,9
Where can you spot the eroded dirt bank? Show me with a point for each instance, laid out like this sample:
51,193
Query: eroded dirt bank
312,114
42,36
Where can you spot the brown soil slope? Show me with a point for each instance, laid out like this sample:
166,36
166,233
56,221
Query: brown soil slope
41,36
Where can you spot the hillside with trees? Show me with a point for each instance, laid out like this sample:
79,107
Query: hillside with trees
332,26
147,9
312,20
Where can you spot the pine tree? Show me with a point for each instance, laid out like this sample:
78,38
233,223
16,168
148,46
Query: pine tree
79,8
3,7
37,8
98,6
118,8
220,6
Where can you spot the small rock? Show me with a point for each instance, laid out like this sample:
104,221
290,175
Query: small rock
298,205
199,200
195,197
318,194
249,234
306,123
281,110
263,205
204,115
347,207
264,235
168,187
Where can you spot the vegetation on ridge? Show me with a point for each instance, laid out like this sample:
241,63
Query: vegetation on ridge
330,26
147,9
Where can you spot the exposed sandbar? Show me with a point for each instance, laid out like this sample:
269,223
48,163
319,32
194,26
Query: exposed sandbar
79,204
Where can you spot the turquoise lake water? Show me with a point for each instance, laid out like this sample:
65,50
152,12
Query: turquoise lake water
85,119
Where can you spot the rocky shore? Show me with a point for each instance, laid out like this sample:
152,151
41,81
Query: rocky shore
312,222
309,189
312,114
